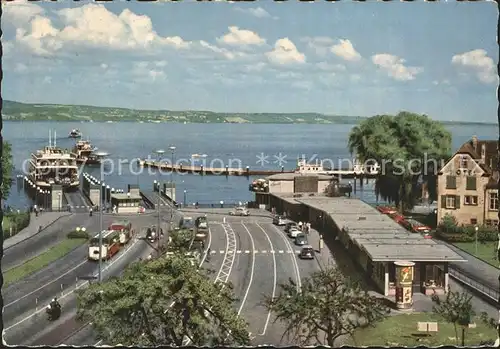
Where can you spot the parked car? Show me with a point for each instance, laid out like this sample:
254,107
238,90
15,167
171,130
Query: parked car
301,240
293,232
201,222
279,220
240,211
307,252
387,209
415,226
290,225
397,217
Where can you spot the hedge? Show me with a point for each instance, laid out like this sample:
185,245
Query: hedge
467,234
18,221
78,234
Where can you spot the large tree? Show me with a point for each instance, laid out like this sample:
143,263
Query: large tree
163,302
402,144
7,169
328,306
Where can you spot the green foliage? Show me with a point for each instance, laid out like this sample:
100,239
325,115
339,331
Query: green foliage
455,309
329,305
449,230
162,302
7,169
78,234
16,221
180,240
399,143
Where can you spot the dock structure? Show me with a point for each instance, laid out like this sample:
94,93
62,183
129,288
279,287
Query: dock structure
225,171
380,246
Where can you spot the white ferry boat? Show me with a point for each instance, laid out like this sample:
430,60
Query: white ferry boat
356,169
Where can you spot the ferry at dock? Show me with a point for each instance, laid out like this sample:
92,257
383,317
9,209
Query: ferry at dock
357,169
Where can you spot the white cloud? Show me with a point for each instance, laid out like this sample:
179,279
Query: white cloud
319,44
258,12
330,67
255,67
395,68
221,51
478,62
241,37
20,13
285,52
94,26
345,50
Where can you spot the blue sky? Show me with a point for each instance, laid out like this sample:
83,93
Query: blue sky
336,58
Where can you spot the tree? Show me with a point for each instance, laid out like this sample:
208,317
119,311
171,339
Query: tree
162,302
329,305
7,169
492,323
401,144
455,309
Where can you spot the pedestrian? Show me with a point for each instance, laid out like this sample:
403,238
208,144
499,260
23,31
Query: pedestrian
39,228
300,225
90,212
36,212
209,252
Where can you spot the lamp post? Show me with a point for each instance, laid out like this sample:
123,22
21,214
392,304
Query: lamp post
106,199
40,191
100,154
185,194
159,153
476,228
172,183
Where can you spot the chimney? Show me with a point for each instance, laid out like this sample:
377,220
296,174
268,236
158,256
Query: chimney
474,143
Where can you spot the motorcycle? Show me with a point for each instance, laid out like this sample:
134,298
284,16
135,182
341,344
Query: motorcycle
53,311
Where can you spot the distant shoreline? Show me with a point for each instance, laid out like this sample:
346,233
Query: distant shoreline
35,112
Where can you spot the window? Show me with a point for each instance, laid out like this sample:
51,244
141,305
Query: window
451,182
494,201
471,183
470,200
488,222
473,221
463,162
450,201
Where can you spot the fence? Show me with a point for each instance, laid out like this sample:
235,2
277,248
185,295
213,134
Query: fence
489,292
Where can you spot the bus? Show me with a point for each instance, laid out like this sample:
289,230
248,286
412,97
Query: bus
110,245
125,230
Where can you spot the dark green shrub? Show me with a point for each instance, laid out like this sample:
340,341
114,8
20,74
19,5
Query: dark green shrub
78,234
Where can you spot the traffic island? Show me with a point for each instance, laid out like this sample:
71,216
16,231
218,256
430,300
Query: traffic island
419,329
43,260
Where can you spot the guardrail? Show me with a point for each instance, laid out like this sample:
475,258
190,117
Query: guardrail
487,291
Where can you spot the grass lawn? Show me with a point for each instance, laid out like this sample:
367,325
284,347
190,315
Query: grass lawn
485,251
401,330
41,261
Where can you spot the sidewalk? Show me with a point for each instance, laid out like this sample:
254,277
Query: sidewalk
45,219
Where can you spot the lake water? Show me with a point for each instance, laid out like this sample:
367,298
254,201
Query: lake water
224,144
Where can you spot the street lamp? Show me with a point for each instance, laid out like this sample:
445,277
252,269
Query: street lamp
476,229
172,183
100,154
107,189
159,153
185,194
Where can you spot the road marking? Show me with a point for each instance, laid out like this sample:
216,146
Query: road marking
239,251
293,256
272,251
72,290
222,251
252,270
280,251
275,281
247,251
213,252
263,251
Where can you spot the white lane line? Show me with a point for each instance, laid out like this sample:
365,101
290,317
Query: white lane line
293,256
263,251
45,285
73,289
247,251
252,270
208,248
275,276
280,251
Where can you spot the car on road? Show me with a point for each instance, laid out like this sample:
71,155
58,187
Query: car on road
293,232
187,223
201,222
240,211
290,225
301,240
307,252
279,220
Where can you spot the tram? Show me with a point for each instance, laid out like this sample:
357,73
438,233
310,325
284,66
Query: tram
110,245
125,230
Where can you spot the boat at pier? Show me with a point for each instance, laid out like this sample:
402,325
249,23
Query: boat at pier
84,151
52,165
75,133
356,168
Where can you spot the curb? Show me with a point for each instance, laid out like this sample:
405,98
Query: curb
44,228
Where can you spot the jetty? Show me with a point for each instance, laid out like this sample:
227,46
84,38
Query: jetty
225,171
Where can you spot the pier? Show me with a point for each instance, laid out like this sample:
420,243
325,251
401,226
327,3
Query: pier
226,171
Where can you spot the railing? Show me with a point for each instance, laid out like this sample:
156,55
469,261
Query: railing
488,291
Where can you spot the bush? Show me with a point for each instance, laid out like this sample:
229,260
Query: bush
78,234
449,230
18,221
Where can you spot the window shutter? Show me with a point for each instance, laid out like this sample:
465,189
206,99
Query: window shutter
457,202
443,201
471,183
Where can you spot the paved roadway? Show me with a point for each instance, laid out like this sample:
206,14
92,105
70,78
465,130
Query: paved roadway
59,278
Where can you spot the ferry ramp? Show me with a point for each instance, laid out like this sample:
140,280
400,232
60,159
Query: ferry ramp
77,201
150,199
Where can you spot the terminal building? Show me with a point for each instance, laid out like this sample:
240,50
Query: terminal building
374,240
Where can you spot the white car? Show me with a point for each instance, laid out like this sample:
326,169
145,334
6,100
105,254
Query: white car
279,220
239,211
293,232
